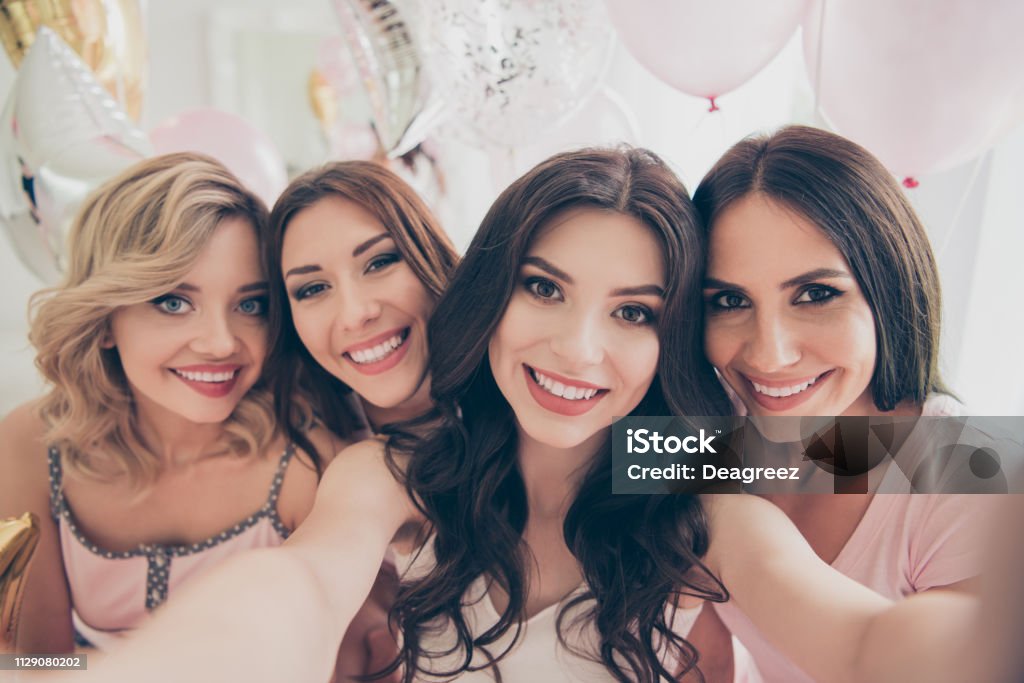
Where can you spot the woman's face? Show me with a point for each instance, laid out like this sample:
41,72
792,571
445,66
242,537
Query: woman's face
787,324
578,343
358,307
195,351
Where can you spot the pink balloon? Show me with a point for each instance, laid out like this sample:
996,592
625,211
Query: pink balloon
924,84
236,143
705,48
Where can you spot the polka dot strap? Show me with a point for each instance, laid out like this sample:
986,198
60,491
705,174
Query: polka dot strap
56,477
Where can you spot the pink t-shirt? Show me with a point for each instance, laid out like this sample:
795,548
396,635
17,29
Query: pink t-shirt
904,544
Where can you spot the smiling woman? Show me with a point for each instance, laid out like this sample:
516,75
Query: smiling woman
362,261
154,347
822,298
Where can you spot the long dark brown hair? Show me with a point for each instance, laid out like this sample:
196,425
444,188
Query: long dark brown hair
849,195
637,553
418,237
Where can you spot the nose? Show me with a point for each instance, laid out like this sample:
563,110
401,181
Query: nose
578,341
773,344
215,338
357,306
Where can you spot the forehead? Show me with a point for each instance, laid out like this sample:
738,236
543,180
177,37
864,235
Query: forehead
602,244
757,235
232,248
332,224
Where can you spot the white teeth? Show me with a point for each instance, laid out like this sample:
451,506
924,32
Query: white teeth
214,377
378,352
779,392
569,392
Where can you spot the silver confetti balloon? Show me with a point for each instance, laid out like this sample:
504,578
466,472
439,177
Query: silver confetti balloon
513,69
62,135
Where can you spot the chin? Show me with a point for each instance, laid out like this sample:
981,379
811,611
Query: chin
558,436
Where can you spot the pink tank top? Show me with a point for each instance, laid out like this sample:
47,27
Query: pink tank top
113,592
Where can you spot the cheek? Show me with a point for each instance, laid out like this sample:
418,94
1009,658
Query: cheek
720,343
638,363
510,335
310,325
848,338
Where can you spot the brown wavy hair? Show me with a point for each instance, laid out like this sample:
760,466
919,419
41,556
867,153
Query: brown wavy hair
134,239
420,240
637,553
849,195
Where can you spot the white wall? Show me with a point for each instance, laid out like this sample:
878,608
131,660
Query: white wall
979,251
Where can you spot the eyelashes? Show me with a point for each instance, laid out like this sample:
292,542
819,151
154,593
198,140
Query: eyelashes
174,304
811,295
377,264
546,291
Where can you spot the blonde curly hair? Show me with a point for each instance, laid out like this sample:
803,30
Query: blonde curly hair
135,238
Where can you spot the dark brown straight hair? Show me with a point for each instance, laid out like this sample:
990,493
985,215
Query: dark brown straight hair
849,195
637,553
418,237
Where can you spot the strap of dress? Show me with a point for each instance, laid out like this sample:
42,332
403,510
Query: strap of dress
270,507
56,478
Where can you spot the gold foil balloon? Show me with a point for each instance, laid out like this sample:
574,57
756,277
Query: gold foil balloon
107,34
18,538
61,135
382,41
323,99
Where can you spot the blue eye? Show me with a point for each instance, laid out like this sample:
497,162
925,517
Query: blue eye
172,304
254,306
543,289
382,261
728,301
635,314
306,291
817,294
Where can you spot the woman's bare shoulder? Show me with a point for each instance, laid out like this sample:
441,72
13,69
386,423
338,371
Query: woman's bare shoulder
22,446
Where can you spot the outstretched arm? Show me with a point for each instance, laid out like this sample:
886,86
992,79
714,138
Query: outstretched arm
275,614
833,627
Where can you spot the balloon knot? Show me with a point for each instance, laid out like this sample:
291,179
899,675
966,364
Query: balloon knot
714,107
910,182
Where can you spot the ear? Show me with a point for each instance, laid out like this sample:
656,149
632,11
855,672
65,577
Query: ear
107,338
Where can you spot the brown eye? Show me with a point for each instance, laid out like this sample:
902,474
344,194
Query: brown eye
543,289
634,314
817,294
728,301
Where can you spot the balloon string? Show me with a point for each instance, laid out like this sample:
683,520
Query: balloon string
714,107
947,238
819,60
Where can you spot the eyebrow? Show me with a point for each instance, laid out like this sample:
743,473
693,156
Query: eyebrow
251,287
812,275
302,270
370,242
640,290
360,249
803,279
